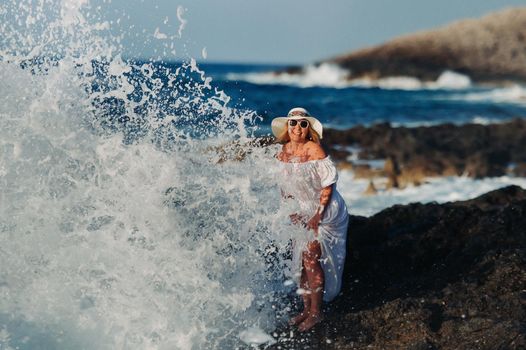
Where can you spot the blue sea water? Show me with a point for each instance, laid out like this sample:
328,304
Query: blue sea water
347,106
258,94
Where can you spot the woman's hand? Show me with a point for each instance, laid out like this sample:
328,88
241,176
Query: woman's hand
314,222
298,219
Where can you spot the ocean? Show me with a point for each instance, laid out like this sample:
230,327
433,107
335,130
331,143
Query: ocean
341,104
132,216
403,101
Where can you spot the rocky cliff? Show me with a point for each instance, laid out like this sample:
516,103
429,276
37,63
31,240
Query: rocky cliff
489,49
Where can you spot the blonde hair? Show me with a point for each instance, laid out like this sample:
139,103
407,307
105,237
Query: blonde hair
312,136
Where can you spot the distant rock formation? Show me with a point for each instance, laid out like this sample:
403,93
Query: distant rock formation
489,49
443,150
486,49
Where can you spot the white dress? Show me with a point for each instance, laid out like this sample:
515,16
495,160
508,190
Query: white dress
302,182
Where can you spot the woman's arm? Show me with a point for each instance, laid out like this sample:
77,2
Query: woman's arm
325,197
316,152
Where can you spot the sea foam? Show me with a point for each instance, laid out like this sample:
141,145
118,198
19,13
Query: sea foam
511,94
332,75
439,189
325,75
447,80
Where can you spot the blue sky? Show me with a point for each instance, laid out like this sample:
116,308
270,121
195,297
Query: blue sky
281,31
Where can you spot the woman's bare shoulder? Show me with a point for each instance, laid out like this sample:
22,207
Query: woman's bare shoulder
315,151
281,154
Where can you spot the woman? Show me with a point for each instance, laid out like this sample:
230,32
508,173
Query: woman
310,181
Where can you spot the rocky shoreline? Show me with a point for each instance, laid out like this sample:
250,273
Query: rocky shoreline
430,276
413,154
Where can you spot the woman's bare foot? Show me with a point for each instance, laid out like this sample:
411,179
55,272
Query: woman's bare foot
310,322
298,319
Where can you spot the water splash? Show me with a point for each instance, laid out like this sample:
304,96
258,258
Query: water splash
128,218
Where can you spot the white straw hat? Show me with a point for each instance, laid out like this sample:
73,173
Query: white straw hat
279,124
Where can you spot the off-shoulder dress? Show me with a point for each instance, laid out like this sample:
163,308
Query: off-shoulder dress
302,183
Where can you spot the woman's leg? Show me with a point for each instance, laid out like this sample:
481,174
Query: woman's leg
315,278
304,285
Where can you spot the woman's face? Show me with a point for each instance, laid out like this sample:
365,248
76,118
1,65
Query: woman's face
297,133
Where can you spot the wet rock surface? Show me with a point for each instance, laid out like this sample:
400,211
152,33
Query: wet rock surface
430,276
442,150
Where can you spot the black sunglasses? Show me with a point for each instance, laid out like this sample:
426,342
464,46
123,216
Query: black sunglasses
303,123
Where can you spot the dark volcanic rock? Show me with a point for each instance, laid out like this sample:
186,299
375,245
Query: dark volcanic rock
489,49
450,276
443,150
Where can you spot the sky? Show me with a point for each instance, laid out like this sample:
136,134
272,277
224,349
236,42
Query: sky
280,31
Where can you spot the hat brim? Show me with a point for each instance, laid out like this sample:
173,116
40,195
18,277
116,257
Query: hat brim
279,125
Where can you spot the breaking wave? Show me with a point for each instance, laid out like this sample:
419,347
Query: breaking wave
332,75
132,213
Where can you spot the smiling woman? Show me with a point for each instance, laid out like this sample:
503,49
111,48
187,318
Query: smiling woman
321,218
285,127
